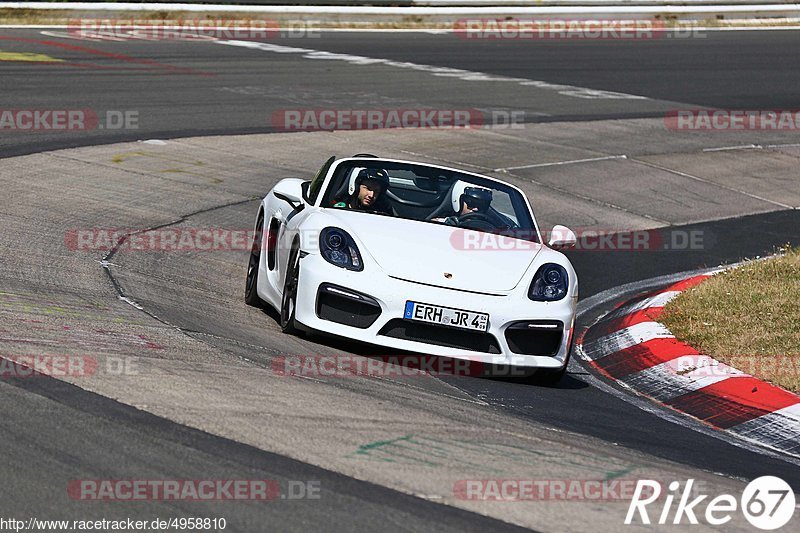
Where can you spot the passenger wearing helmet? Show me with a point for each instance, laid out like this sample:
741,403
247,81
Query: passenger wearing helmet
472,200
367,191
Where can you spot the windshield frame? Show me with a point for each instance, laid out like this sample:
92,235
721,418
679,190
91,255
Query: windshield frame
327,193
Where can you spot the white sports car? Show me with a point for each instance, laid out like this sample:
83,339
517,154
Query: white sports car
416,257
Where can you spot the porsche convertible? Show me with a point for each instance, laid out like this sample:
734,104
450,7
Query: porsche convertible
416,257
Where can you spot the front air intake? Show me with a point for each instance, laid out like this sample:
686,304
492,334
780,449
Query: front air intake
346,306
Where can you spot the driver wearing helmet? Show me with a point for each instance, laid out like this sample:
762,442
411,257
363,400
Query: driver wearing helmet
472,200
366,195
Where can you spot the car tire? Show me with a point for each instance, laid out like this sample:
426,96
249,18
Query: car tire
251,284
551,378
289,296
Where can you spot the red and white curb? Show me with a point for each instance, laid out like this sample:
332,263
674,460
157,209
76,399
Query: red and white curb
631,347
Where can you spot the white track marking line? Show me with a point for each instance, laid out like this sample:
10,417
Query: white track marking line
731,148
787,145
713,183
62,35
465,75
751,147
569,162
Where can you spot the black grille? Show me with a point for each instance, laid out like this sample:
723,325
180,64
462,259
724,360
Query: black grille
535,337
346,306
440,335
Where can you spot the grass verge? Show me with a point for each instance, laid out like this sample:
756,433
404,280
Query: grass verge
747,317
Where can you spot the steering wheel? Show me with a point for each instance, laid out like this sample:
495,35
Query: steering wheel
477,220
430,203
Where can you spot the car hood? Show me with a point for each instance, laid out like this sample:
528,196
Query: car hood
440,255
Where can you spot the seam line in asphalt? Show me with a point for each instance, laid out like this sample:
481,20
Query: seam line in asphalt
590,199
105,264
709,182
557,163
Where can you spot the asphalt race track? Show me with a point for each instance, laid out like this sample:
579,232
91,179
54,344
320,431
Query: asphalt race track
201,398
206,89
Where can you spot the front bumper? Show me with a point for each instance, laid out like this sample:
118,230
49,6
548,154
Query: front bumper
510,313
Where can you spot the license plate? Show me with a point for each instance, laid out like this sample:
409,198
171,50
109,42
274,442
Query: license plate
436,314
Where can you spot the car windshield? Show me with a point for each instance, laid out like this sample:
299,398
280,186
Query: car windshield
430,194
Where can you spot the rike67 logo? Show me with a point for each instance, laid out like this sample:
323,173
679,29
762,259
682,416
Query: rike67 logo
767,503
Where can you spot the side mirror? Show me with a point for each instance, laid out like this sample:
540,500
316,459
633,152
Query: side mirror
290,191
561,237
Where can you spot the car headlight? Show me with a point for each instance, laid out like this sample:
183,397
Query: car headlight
549,284
338,248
